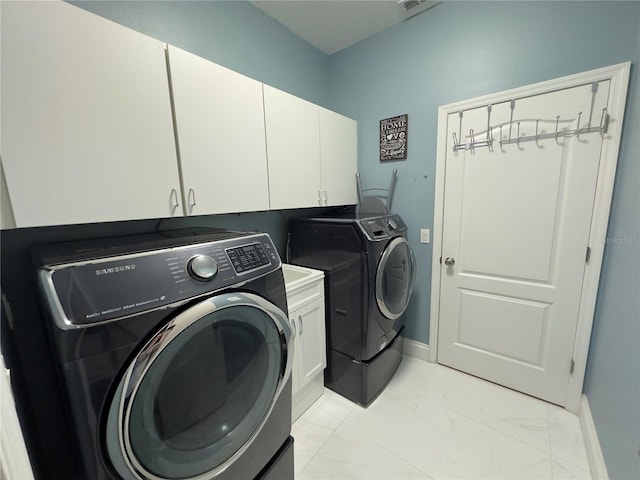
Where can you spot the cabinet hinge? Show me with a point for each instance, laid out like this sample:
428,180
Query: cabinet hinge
572,367
588,257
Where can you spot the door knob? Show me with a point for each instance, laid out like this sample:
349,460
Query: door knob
449,262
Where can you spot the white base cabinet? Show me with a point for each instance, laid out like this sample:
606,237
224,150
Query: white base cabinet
305,298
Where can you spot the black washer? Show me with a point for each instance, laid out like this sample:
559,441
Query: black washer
169,369
369,275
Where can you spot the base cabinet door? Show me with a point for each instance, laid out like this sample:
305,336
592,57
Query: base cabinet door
311,355
87,132
221,137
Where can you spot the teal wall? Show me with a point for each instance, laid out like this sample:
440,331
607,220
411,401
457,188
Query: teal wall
455,51
234,34
612,384
461,50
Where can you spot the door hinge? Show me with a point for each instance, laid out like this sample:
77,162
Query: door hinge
605,124
572,367
588,257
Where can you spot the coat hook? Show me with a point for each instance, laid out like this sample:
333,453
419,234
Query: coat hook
594,90
490,138
518,139
501,147
488,121
473,140
537,135
604,122
513,106
578,127
455,143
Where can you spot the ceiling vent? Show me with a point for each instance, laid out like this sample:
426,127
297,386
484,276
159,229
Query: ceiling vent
409,4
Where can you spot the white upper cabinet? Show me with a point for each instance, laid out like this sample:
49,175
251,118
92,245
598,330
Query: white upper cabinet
221,136
87,133
339,157
293,150
312,153
89,129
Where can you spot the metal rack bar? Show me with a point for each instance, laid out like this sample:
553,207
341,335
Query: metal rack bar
488,142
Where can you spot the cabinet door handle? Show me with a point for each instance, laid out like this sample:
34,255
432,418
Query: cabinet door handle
300,324
174,200
191,199
293,326
326,201
319,197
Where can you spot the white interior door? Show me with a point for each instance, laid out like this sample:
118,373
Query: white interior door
515,235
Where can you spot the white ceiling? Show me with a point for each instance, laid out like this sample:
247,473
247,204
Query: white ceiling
331,25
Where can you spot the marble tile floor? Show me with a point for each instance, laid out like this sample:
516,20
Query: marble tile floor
432,422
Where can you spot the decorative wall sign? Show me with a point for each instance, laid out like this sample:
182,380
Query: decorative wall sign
393,138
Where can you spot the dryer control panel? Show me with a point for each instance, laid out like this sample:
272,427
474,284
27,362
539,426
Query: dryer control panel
95,290
382,228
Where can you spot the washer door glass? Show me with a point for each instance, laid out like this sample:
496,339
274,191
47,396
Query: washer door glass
200,390
394,278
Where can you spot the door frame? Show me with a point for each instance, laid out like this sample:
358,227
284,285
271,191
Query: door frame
619,77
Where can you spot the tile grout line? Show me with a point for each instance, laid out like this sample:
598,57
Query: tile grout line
341,421
563,459
549,442
490,427
403,460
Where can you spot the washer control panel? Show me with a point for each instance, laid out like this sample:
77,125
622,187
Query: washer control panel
248,257
91,291
380,228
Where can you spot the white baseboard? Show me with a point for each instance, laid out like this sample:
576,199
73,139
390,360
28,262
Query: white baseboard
416,349
591,442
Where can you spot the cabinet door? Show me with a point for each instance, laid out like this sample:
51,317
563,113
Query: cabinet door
338,158
310,325
293,150
221,137
87,132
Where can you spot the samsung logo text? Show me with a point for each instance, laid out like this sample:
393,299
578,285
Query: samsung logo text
118,269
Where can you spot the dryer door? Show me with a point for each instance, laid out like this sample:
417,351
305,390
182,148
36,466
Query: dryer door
196,395
395,277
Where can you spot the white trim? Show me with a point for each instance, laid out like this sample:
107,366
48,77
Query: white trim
14,460
302,400
619,77
591,442
416,349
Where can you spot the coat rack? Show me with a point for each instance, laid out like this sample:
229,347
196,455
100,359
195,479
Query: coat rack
488,140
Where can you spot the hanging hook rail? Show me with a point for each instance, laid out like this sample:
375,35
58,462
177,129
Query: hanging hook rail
602,129
488,142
